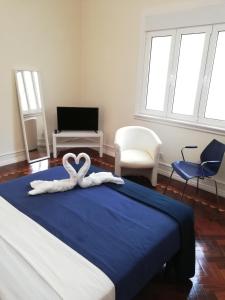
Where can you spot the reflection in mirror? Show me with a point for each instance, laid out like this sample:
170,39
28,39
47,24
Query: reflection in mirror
32,115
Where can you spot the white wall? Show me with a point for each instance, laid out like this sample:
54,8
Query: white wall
110,46
87,53
43,35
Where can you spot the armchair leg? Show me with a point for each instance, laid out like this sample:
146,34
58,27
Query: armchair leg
117,170
168,182
153,177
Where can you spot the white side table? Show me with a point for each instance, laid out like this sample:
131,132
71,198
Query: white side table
77,139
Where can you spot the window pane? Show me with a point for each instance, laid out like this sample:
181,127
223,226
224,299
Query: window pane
189,66
215,108
23,98
30,90
158,71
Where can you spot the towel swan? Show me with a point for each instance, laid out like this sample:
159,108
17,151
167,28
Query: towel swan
53,186
93,178
45,186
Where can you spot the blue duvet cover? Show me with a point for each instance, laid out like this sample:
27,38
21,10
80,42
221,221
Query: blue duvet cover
128,240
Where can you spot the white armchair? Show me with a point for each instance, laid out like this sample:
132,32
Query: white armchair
137,150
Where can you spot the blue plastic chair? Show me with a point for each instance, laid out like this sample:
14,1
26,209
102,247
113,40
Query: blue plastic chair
211,158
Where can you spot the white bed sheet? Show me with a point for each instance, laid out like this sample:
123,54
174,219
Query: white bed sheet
34,264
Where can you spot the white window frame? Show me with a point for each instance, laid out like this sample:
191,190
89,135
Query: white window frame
147,59
198,116
192,30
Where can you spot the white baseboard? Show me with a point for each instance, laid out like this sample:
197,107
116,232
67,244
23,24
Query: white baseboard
109,150
12,157
166,169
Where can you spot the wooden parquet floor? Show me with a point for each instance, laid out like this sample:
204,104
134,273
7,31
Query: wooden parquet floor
209,280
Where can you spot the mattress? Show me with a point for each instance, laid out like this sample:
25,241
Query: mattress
127,240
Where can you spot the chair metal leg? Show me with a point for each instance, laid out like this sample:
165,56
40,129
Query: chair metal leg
184,189
217,197
197,189
168,182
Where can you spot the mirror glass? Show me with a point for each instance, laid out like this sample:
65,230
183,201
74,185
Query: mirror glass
32,115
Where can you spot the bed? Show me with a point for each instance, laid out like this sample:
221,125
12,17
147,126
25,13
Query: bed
104,242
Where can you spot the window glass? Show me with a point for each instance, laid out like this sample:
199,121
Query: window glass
158,72
215,108
191,51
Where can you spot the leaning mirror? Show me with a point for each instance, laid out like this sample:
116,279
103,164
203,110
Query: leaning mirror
32,115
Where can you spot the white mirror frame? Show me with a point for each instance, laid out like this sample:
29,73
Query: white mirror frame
31,112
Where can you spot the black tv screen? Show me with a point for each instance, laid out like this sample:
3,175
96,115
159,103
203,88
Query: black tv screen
77,118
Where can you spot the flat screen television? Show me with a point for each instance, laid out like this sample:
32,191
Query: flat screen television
77,118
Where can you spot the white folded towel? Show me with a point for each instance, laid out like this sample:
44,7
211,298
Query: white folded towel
53,186
94,178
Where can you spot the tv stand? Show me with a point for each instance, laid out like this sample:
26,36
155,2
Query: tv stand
77,139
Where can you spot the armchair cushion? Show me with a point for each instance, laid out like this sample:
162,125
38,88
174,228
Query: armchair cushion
136,159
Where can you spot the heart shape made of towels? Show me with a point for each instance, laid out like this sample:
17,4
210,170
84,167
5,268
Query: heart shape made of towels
53,186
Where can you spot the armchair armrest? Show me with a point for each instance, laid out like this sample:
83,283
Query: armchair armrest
117,147
117,151
119,141
187,147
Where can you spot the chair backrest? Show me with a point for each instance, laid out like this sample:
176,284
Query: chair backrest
137,137
214,151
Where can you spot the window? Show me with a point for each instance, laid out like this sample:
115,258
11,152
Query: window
27,82
184,73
